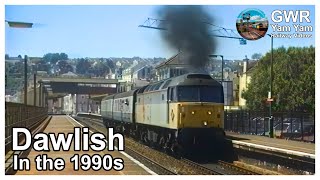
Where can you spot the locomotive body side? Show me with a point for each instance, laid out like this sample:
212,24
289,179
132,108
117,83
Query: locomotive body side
184,112
152,107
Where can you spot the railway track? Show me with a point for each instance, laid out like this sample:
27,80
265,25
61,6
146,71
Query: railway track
202,168
161,170
167,165
157,167
237,168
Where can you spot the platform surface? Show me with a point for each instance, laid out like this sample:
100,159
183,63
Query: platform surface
292,145
66,125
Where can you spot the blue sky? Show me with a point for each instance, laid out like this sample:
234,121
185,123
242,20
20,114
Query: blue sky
112,31
255,14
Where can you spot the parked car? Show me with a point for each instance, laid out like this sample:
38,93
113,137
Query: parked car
288,130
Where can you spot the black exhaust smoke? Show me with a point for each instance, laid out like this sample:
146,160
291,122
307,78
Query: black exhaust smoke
187,32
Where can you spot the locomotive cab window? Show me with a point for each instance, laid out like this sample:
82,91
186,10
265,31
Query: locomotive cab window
172,95
200,94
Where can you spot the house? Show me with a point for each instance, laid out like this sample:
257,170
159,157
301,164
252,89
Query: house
245,78
174,66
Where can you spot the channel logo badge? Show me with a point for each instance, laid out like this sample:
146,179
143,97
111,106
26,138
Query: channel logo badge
252,24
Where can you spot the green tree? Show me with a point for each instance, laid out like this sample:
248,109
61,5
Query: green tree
99,69
63,56
83,66
64,67
256,56
293,80
53,58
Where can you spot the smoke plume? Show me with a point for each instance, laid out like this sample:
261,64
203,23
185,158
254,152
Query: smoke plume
187,32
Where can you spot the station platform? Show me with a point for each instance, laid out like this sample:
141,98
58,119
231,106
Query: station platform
291,147
65,124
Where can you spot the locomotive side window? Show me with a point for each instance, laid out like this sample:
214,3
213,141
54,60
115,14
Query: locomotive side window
172,96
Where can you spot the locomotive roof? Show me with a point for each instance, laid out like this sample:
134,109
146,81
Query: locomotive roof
185,79
194,79
120,95
188,79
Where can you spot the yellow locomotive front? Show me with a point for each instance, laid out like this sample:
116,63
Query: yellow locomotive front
197,111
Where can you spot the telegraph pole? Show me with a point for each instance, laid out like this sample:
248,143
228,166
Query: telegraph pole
271,82
222,68
25,79
35,89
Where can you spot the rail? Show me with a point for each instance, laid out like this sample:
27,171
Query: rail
188,165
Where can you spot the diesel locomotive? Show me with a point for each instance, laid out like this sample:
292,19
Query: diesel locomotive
183,112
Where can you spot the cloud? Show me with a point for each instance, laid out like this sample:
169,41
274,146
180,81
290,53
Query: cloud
255,18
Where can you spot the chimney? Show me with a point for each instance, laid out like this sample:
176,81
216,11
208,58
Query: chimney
245,64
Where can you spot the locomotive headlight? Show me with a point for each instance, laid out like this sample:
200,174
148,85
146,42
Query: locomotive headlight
192,112
205,123
209,112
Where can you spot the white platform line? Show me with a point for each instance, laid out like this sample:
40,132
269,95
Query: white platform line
122,152
292,152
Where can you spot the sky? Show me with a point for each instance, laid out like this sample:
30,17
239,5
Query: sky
112,31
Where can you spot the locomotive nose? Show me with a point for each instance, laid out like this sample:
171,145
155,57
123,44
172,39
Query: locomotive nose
200,115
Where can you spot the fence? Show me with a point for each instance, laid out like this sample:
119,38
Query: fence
20,115
287,125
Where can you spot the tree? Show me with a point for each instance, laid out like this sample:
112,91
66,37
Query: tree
83,66
64,66
293,81
100,69
256,56
53,58
111,65
63,56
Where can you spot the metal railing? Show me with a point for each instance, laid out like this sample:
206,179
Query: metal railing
21,115
287,125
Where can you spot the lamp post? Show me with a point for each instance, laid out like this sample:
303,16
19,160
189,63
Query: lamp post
15,24
270,93
222,64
